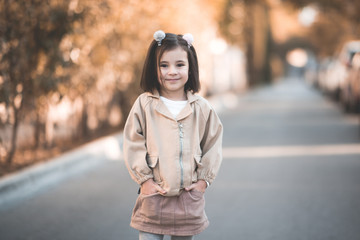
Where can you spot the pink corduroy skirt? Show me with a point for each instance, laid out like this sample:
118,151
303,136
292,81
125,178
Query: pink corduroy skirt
182,215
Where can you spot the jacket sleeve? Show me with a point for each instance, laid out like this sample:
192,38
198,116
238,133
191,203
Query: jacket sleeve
211,145
135,145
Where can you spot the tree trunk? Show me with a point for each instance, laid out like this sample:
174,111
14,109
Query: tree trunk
84,131
37,130
258,43
14,129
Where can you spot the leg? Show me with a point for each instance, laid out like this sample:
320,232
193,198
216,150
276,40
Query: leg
182,237
150,236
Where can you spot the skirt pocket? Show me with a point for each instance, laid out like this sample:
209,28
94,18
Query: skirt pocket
194,204
147,208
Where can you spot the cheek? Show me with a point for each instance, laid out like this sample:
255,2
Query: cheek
186,72
160,75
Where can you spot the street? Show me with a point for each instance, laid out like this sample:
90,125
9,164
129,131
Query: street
290,172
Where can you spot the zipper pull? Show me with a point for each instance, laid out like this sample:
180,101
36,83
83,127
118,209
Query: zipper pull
181,130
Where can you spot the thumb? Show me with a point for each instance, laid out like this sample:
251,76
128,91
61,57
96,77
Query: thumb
160,189
191,187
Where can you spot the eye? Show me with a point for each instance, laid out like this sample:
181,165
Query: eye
180,65
163,65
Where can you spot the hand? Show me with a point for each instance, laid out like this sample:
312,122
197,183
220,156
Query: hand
199,186
150,187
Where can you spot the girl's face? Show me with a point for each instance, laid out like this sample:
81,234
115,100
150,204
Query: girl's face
173,73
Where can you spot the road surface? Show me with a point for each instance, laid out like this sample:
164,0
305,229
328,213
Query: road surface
290,172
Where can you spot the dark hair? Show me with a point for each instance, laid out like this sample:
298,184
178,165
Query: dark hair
149,78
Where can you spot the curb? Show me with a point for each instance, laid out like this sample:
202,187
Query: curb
39,177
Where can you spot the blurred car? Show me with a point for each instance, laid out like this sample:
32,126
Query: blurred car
336,76
350,94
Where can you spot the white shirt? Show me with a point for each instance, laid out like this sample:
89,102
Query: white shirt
174,107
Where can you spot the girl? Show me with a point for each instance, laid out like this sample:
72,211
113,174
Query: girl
172,142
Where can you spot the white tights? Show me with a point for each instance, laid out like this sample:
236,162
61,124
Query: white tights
152,236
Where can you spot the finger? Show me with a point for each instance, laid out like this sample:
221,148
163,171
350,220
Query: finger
160,189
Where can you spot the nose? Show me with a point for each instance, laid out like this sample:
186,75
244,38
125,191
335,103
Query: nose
172,70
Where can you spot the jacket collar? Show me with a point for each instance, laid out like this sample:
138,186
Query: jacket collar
162,109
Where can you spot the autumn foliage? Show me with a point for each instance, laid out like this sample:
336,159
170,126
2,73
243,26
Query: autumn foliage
69,69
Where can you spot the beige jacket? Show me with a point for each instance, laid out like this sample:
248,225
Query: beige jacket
175,152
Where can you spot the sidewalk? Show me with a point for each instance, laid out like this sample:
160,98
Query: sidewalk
32,180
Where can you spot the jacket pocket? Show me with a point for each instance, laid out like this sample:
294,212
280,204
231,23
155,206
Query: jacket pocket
152,160
196,164
153,163
197,159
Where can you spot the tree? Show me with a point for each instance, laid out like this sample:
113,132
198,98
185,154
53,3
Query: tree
246,23
337,21
349,9
30,36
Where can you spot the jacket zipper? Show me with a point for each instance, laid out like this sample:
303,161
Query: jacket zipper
181,134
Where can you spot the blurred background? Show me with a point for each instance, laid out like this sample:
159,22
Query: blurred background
70,69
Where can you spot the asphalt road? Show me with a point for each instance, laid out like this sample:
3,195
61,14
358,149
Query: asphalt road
290,172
